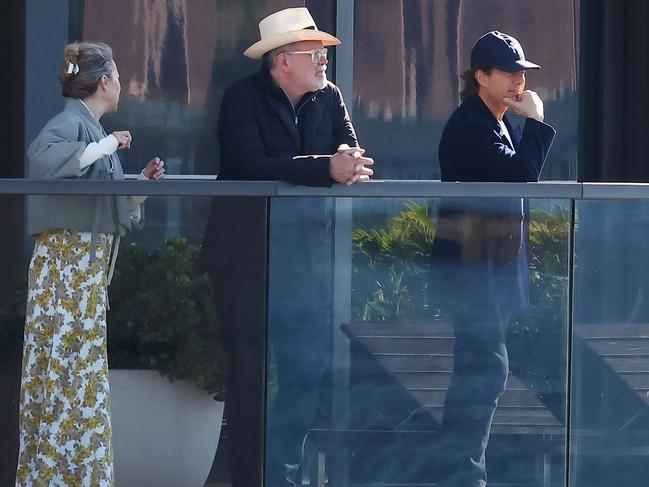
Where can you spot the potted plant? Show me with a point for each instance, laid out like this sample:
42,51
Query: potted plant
166,364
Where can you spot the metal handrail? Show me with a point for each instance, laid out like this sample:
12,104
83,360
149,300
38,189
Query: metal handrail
208,186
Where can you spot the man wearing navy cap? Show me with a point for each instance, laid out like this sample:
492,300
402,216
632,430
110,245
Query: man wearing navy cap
480,262
478,142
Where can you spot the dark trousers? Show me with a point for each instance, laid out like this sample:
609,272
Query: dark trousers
296,293
299,327
235,256
301,348
242,331
480,370
480,276
479,297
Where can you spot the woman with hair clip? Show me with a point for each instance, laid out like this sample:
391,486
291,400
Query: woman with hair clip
65,432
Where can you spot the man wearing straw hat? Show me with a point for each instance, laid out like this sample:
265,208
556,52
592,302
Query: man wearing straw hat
286,122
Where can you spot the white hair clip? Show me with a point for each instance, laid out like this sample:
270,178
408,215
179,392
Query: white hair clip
73,68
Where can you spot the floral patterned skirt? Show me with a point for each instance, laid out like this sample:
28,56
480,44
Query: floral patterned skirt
65,433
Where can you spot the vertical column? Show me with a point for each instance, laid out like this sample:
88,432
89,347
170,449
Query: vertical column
345,52
31,30
343,230
342,246
46,36
342,283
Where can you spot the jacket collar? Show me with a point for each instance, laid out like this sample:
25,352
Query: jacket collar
280,103
475,103
477,106
268,86
75,106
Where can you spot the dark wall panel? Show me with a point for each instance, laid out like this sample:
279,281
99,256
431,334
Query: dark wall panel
12,82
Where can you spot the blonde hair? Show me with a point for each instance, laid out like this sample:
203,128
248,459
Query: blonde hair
84,63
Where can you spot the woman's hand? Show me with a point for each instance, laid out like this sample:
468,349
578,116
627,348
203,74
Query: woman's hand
155,169
124,139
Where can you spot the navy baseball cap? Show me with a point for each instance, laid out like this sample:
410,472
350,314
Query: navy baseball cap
500,51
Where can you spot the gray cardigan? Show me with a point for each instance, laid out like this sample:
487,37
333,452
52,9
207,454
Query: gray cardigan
54,154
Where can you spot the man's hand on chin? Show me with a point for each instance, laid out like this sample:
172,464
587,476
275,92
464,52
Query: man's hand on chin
527,104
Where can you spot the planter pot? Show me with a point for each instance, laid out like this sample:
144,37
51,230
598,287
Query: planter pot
164,434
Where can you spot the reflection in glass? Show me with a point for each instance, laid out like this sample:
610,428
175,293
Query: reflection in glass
610,388
389,411
480,267
406,89
299,330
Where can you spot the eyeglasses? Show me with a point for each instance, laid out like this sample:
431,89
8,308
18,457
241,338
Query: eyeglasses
317,55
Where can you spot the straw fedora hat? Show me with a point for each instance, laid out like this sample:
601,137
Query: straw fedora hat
287,26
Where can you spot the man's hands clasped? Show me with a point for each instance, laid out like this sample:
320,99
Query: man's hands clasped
347,165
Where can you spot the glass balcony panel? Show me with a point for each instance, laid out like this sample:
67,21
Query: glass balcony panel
610,345
393,326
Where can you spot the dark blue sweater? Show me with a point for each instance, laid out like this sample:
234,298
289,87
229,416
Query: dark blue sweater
473,147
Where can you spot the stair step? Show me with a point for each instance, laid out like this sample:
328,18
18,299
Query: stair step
511,398
408,345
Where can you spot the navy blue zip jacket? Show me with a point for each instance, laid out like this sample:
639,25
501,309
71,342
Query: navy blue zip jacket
485,240
260,133
473,147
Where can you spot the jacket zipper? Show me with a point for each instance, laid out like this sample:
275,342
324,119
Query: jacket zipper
297,112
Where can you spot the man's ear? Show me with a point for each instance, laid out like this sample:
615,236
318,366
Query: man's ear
282,61
481,77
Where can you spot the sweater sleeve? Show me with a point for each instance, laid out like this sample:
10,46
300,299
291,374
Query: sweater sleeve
97,150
